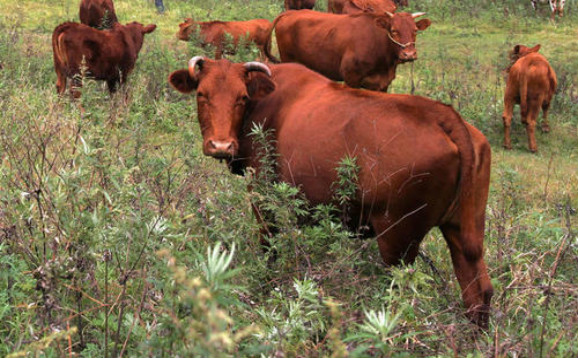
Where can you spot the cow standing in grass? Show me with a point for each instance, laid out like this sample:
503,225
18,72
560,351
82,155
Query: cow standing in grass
299,4
363,50
556,6
97,13
419,163
531,84
359,6
215,33
106,55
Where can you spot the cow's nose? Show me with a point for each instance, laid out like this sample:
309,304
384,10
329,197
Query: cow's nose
221,149
410,55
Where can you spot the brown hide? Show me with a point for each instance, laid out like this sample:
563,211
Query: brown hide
531,84
106,55
420,165
299,4
94,12
363,50
214,32
359,6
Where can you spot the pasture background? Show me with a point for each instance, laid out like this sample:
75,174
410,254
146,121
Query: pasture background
107,214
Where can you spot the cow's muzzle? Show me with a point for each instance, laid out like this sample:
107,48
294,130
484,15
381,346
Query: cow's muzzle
408,55
221,149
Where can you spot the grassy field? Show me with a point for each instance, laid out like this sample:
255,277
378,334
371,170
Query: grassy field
119,238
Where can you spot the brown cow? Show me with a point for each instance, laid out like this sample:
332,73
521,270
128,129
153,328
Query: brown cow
363,49
97,13
214,33
420,164
359,6
106,55
531,84
299,4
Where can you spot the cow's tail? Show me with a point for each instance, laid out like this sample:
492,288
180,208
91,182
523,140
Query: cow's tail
60,58
455,127
524,95
553,80
268,40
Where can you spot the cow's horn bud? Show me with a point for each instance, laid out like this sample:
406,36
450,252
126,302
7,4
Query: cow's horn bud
193,62
417,14
257,66
389,14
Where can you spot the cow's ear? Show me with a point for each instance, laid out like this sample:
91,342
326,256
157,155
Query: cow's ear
259,85
149,28
383,22
181,80
423,24
535,48
516,50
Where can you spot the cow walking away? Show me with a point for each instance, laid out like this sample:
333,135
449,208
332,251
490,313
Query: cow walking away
420,164
556,6
97,13
105,55
531,84
363,50
215,33
299,4
359,6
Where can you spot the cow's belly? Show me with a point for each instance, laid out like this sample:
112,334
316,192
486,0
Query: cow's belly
396,175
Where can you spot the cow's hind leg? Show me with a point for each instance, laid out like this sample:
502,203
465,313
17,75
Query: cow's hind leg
112,85
76,86
545,124
530,123
60,82
471,273
507,118
398,243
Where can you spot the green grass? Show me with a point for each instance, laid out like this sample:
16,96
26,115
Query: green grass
107,213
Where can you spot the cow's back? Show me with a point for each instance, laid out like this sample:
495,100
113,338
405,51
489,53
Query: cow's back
535,73
97,13
320,40
323,122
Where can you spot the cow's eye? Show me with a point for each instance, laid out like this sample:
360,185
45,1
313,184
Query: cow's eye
201,99
241,101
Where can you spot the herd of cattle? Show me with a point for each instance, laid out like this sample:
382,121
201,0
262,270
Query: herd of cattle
420,164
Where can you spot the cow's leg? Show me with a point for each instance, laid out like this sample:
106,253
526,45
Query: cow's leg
530,122
350,70
545,124
60,82
397,242
75,86
472,274
112,85
507,118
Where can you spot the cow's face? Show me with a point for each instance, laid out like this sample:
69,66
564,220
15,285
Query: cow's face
402,31
137,32
223,91
185,29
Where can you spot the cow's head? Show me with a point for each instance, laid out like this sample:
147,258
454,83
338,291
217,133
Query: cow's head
402,31
521,51
224,89
137,31
185,29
